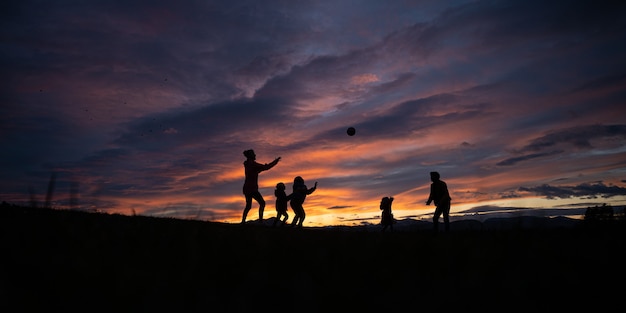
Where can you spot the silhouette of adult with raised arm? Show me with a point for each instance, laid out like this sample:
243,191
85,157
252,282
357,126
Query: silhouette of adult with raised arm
281,204
251,183
300,191
386,218
441,197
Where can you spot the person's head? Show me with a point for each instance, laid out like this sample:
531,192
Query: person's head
298,180
249,154
434,176
280,186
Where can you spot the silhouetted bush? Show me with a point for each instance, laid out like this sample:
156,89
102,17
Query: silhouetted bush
599,213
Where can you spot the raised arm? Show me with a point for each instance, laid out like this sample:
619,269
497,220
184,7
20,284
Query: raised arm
310,191
267,166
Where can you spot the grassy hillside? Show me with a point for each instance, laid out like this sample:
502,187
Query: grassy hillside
59,260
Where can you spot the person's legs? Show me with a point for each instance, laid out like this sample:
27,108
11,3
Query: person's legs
438,212
259,198
446,216
302,216
247,208
297,210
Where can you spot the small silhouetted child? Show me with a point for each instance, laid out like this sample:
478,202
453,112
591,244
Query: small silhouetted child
281,203
300,191
386,218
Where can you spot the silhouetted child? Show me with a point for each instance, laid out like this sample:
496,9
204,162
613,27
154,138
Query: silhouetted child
300,191
281,203
386,218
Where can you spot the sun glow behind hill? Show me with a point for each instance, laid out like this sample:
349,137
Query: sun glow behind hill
573,208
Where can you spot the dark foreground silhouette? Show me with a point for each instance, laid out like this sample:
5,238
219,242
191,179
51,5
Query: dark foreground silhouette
62,260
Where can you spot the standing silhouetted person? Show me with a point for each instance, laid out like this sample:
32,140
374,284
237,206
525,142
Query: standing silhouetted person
300,191
281,203
251,184
439,194
386,218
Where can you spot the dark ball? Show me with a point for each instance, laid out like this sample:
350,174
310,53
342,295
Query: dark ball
351,131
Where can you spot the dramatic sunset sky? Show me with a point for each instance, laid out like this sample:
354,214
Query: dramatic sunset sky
145,107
